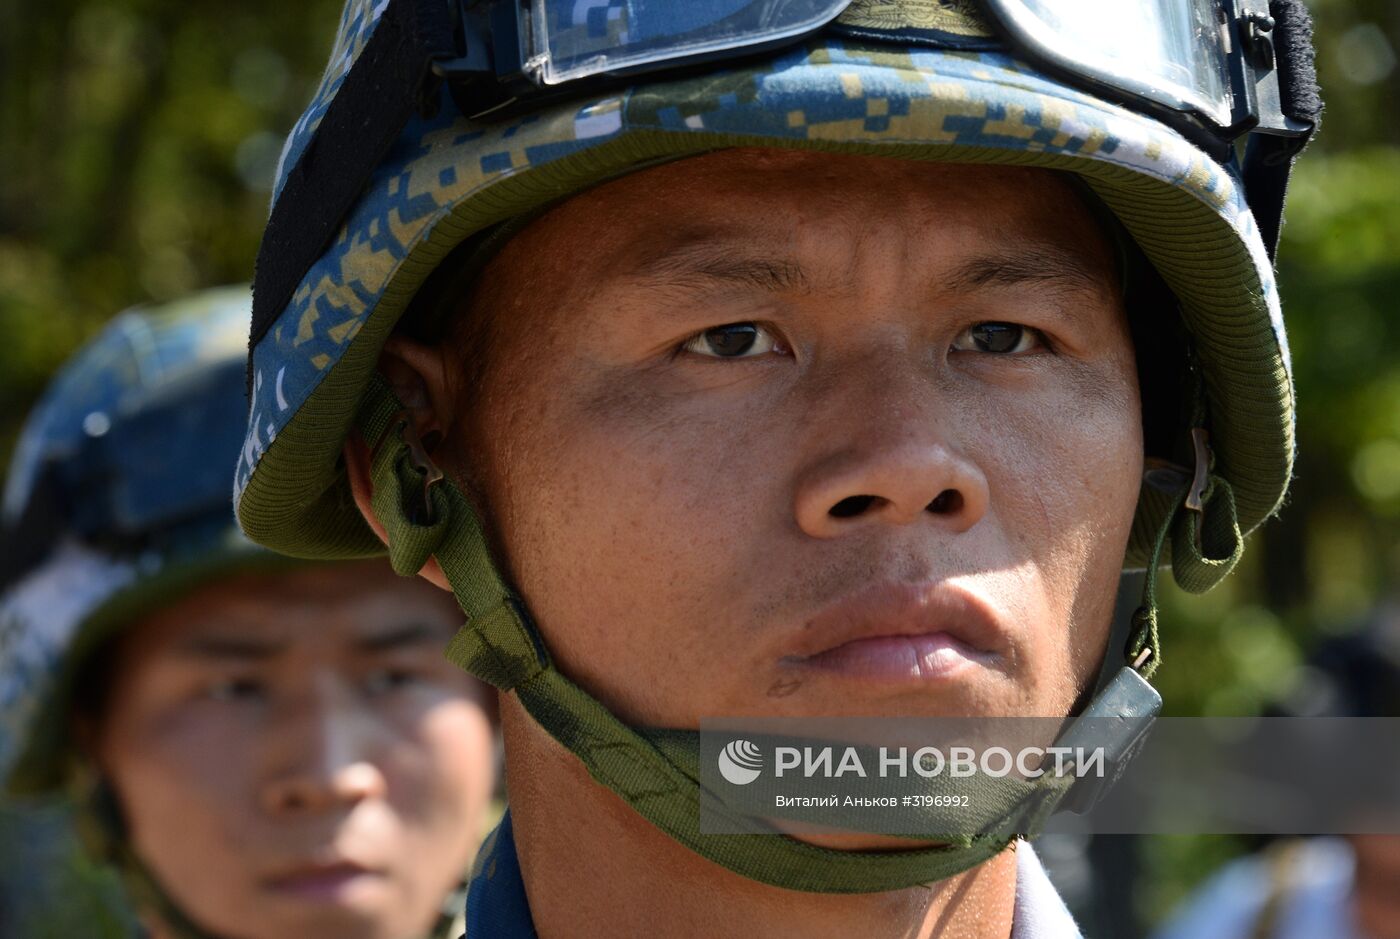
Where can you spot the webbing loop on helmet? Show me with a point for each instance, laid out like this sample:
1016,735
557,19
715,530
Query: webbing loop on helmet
1206,539
405,492
498,643
1206,544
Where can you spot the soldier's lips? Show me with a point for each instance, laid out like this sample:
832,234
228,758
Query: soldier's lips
925,657
325,882
901,633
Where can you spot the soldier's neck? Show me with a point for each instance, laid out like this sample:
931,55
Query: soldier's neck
594,867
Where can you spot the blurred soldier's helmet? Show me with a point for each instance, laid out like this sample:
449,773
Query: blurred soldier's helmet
116,498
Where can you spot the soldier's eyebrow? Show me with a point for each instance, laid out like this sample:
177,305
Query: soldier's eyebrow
708,261
238,648
705,261
252,649
399,637
1039,265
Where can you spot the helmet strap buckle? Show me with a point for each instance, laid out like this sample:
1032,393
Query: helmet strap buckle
420,512
422,463
1195,496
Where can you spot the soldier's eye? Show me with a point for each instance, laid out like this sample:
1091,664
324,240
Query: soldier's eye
733,341
234,689
385,680
998,338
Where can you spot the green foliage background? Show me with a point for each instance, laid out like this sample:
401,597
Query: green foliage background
137,144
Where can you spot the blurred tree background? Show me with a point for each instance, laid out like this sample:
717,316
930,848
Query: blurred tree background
138,140
1333,554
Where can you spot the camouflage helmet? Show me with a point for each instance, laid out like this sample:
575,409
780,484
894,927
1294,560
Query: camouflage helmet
920,81
117,496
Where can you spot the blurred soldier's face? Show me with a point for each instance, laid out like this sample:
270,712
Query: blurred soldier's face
294,757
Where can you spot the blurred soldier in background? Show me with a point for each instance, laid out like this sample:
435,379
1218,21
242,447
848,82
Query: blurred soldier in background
263,748
1333,887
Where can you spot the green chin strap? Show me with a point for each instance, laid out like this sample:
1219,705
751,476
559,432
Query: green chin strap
102,832
657,771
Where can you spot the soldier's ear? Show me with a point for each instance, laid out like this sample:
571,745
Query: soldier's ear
416,373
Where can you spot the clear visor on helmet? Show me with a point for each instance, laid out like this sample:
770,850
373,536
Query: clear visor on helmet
1172,52
573,39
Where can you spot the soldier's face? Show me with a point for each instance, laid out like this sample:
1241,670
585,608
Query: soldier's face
295,759
778,433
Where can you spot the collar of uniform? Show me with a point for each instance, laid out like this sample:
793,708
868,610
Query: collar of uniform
1040,913
498,907
496,902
